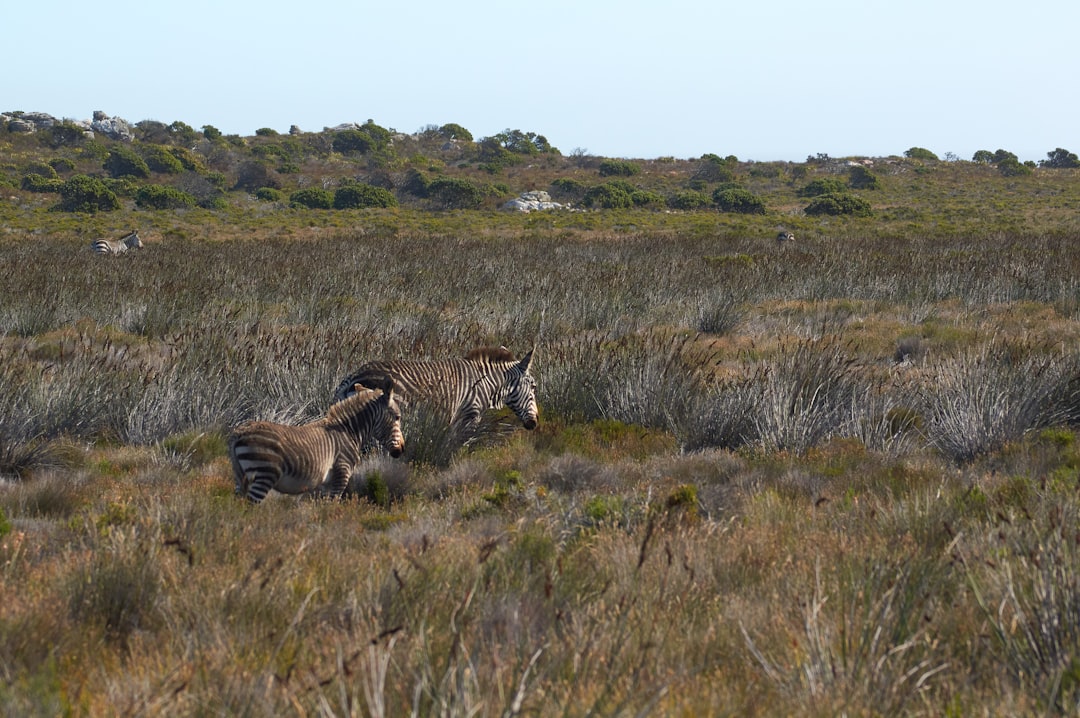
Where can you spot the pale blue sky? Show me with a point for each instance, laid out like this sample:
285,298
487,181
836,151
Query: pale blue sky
759,79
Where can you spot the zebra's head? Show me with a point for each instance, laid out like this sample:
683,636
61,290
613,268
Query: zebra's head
386,428
132,240
521,392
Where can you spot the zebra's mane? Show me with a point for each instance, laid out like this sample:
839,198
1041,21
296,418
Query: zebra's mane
490,354
355,404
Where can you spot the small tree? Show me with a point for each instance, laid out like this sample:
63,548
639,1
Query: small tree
983,157
920,153
1061,159
87,194
839,203
454,131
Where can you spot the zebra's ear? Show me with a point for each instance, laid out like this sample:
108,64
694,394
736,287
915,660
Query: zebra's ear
526,360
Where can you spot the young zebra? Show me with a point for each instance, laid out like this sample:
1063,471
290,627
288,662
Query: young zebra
297,459
460,390
785,236
119,246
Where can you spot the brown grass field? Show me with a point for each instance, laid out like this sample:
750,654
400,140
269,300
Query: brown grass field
835,477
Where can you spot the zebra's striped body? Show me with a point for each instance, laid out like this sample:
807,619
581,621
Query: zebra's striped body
460,390
785,236
119,246
297,459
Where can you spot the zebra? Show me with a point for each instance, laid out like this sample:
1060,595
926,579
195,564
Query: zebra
298,459
457,390
785,236
119,246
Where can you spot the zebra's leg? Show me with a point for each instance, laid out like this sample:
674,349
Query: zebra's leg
261,484
339,479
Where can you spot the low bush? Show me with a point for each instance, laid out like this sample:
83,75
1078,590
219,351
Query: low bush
358,196
839,203
155,196
312,197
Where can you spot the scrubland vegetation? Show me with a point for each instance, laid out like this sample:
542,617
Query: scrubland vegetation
837,476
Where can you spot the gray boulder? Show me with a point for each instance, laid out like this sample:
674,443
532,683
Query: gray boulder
533,201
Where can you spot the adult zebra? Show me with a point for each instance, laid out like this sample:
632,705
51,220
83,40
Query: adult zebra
457,390
785,236
298,459
119,246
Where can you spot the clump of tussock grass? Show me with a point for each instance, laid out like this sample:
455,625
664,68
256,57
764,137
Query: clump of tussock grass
635,379
789,402
1029,595
866,644
981,399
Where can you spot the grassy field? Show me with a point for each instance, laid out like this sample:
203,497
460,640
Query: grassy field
839,476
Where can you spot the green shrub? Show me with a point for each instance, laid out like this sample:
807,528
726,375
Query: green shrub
352,141
211,133
862,178
187,159
1012,167
919,153
312,197
357,196
1061,159
714,168
266,132
739,201
688,199
453,131
87,194
618,168
160,159
155,196
645,198
269,194
822,185
62,164
839,203
123,162
568,188
36,183
456,193
43,169
610,195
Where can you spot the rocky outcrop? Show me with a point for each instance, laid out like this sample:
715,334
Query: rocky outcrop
114,127
534,201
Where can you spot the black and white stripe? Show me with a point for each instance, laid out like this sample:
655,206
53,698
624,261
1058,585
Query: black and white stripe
460,390
785,236
118,246
298,459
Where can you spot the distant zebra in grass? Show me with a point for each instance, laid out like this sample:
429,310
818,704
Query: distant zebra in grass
119,246
298,459
785,236
458,390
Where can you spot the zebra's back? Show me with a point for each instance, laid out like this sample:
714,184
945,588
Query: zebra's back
457,390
